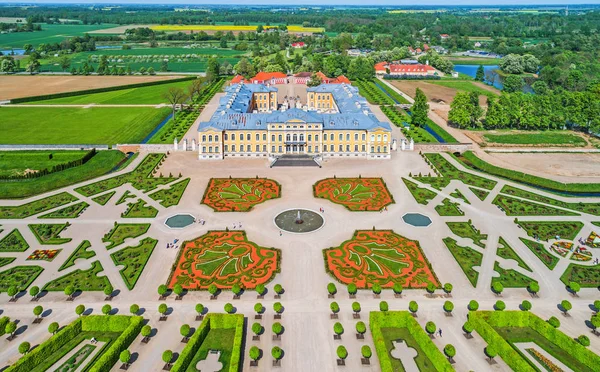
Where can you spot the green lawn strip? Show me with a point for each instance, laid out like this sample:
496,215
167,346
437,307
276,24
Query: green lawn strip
545,230
401,119
6,261
134,259
127,195
123,231
586,276
537,138
540,251
466,86
448,208
392,92
446,169
171,196
49,234
104,198
421,194
142,178
19,276
467,230
471,161
118,331
13,242
511,278
467,258
82,280
441,132
81,252
18,163
223,332
459,195
36,207
517,207
590,208
391,326
505,251
372,93
99,165
504,329
481,194
72,211
139,209
69,125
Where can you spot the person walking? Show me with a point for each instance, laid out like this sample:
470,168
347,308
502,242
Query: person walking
440,332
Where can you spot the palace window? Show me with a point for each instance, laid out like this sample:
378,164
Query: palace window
355,148
309,138
257,136
232,148
225,136
378,148
248,137
347,148
233,137
364,148
241,148
226,147
309,148
280,138
264,148
264,136
210,149
272,148
257,148
210,138
356,136
372,149
295,137
204,138
385,149
217,138
325,148
279,148
385,137
347,136
316,137
203,148
340,137
364,137
372,137
340,148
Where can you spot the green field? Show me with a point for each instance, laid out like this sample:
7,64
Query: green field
148,95
474,61
537,138
62,125
467,86
14,163
49,34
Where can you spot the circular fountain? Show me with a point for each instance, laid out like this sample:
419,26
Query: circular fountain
299,221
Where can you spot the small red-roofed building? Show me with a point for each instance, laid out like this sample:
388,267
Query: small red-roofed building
298,45
269,78
399,69
444,36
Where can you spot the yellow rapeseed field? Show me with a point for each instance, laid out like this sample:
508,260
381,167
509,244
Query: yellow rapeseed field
291,28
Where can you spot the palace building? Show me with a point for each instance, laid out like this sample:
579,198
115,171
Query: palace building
253,121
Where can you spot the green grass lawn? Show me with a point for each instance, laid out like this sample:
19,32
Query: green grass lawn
450,172
510,278
143,95
123,231
545,230
421,194
591,208
49,34
81,252
517,207
13,163
468,231
538,249
217,339
536,138
393,334
464,85
474,61
448,208
134,260
505,251
99,165
586,276
62,125
466,257
82,280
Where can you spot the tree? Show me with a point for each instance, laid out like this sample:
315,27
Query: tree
341,352
597,306
212,289
361,68
566,306
335,308
53,327
512,64
460,110
499,305
480,74
448,307
167,356
276,352
352,289
513,83
33,65
254,353
376,289
257,328
278,289
338,329
526,305
468,327
584,340
34,291
69,290
244,68
175,96
473,305
413,307
108,290
79,309
236,289
356,307
134,309
450,351
331,288
259,308
361,328
533,288
229,309
106,309
12,292
162,290
595,320
178,289
530,63
184,330
164,66
315,80
7,64
448,288
574,287
212,66
146,331
260,289
162,309
419,109
278,307
430,328
125,357
24,347
10,328
554,322
366,352
497,287
383,306
491,351
194,89
397,288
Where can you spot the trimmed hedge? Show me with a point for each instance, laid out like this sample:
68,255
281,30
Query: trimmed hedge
485,321
216,321
97,90
128,326
403,319
3,322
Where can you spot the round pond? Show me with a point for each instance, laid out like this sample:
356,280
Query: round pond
416,219
299,221
179,221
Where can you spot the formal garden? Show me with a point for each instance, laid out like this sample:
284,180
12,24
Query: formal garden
541,252
446,172
224,259
13,242
82,252
121,231
590,208
545,230
139,209
421,194
71,211
505,251
134,259
239,194
355,194
80,280
172,195
468,231
104,198
19,277
380,257
467,258
585,276
50,233
518,207
43,255
481,194
449,208
510,278
36,207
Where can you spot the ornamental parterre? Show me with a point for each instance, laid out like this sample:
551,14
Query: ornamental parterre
379,256
224,258
356,194
239,194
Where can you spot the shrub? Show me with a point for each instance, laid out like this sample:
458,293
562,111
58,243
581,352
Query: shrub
257,328
584,340
38,310
574,287
341,352
162,290
106,309
566,306
397,288
450,351
430,327
212,289
383,306
134,309
260,289
108,290
497,287
236,289
376,288
278,289
331,289
352,289
162,309
338,329
53,327
178,289
278,307
448,306
365,350
499,305
276,352
533,287
431,288
413,307
491,351
125,356
473,305
259,308
597,305
254,353
24,347
167,356
146,331
335,308
199,309
184,330
526,305
34,291
228,308
554,322
468,327
356,307
448,288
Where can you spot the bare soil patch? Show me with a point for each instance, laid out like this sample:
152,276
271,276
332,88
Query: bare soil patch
435,93
558,166
18,86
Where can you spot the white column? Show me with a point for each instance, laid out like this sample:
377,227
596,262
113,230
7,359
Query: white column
411,145
185,144
193,145
403,144
175,144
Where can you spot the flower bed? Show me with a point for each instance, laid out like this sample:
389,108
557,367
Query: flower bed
356,194
43,254
224,258
239,194
581,254
593,240
382,257
562,248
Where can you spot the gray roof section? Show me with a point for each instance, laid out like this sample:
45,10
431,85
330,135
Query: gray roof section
232,113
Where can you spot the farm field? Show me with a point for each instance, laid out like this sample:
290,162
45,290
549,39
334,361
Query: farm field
142,95
19,86
438,91
51,33
230,27
78,125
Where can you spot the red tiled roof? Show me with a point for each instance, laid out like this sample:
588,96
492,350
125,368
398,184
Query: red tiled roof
342,79
237,79
264,76
444,35
303,74
410,68
381,66
299,43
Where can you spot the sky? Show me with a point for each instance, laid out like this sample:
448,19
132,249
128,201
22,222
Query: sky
320,2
